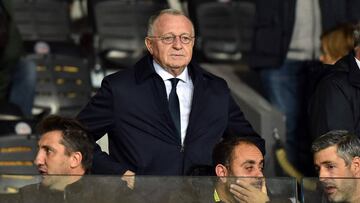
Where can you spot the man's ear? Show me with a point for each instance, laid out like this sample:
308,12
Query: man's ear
76,158
221,171
355,166
148,44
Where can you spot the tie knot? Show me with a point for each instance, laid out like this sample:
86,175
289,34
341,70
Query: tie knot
174,82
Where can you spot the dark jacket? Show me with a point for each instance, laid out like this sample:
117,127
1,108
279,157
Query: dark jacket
275,23
91,189
336,101
11,46
132,107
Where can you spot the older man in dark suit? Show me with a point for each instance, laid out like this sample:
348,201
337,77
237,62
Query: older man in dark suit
165,114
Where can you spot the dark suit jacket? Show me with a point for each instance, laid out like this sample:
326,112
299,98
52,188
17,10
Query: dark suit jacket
132,107
335,103
90,189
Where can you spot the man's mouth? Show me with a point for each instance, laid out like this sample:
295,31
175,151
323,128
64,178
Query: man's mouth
330,189
42,171
177,55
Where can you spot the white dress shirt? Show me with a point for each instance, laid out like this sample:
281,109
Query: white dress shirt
357,62
184,89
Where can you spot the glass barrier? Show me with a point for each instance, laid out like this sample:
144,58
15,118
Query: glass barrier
315,190
96,188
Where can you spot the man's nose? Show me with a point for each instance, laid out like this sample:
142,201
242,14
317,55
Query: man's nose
177,43
258,173
39,159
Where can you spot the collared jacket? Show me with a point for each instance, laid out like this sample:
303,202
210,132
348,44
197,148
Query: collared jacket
335,104
132,108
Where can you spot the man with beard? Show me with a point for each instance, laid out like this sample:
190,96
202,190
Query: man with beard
337,160
239,157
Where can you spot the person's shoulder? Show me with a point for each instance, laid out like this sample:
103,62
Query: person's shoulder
30,188
334,74
206,75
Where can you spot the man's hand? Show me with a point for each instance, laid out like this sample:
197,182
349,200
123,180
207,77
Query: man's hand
243,191
129,177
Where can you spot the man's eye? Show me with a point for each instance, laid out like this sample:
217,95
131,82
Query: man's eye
250,168
168,38
48,151
185,38
330,166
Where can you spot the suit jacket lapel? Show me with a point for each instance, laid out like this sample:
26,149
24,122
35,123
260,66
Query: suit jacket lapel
198,101
145,72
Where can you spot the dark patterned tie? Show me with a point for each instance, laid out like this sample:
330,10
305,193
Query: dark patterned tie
174,104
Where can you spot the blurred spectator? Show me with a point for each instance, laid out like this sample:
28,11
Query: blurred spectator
335,103
336,43
285,44
17,74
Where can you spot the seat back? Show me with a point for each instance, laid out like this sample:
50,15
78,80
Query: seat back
63,83
17,153
46,20
121,28
225,29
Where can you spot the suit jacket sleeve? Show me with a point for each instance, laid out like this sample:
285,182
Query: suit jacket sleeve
330,109
238,125
98,117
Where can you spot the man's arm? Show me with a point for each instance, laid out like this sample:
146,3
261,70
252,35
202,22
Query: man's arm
239,126
98,117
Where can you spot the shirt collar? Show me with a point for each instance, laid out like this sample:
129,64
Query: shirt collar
357,62
184,76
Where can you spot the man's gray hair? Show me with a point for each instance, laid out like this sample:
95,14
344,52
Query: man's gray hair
357,35
170,11
348,144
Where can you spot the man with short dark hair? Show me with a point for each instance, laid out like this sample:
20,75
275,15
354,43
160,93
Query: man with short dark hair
337,160
239,157
64,156
64,149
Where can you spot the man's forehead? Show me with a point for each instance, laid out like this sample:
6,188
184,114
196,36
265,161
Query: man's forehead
52,137
247,152
168,22
326,153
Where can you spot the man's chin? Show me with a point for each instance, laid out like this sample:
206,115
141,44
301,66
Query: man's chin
333,195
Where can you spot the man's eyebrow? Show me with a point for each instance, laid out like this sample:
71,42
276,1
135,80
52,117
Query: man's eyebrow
249,161
262,161
46,147
326,162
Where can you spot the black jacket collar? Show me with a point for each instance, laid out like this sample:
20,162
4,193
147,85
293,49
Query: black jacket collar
349,65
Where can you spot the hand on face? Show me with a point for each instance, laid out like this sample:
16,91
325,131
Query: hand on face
254,191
